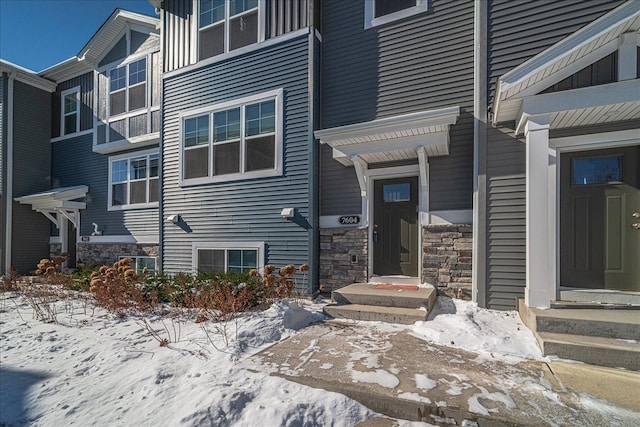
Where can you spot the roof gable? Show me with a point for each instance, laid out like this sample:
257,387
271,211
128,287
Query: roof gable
581,49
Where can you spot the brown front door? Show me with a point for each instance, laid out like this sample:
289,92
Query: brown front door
600,219
395,227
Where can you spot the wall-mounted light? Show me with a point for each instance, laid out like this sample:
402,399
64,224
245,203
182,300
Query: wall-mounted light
174,219
288,212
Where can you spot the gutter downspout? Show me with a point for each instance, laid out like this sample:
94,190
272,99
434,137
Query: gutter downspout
478,260
9,194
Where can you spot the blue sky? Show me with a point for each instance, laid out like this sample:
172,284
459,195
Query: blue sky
37,34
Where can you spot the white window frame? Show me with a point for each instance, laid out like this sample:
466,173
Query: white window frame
130,156
196,38
278,96
63,95
369,13
136,257
227,246
127,113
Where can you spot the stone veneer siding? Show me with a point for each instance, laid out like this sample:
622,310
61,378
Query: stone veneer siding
446,260
106,253
55,249
337,245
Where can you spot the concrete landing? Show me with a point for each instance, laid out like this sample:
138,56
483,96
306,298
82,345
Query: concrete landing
398,375
604,296
595,336
387,303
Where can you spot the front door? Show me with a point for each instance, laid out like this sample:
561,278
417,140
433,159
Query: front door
600,219
395,227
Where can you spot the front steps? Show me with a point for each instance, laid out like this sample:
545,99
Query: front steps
605,337
363,301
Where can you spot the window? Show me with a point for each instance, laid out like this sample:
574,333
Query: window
596,170
225,25
133,181
239,257
70,117
128,87
378,12
142,264
397,192
233,141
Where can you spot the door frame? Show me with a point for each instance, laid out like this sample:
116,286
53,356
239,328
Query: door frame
558,146
423,205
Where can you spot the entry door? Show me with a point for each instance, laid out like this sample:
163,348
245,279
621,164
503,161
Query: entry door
599,217
395,227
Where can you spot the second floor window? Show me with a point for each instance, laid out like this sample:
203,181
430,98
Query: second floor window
236,140
128,87
133,181
379,12
70,111
225,25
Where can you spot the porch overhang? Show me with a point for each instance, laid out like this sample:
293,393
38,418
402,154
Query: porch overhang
393,138
57,204
608,34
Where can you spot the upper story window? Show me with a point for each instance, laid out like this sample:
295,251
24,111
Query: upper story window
70,122
378,12
225,25
133,181
127,87
234,140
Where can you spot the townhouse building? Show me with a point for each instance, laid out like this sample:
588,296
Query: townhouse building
486,147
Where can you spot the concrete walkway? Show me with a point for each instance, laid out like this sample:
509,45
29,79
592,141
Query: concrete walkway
400,376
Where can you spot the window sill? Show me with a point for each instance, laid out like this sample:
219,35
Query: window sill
371,22
133,207
230,177
72,135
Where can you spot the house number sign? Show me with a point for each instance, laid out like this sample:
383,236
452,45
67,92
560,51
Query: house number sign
349,220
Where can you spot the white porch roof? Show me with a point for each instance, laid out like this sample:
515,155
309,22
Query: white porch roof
517,91
56,198
392,138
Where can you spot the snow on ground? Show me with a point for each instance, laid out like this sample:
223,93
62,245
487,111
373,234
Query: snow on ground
102,370
462,324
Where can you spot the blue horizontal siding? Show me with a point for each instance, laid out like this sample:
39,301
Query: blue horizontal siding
75,163
243,210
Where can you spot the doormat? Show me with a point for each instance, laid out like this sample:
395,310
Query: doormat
396,287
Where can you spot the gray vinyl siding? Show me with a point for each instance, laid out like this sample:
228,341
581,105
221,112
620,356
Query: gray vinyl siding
118,52
419,63
74,163
244,210
2,127
178,20
518,30
85,82
31,174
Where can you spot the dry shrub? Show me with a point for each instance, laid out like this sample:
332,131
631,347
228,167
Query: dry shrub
117,289
9,282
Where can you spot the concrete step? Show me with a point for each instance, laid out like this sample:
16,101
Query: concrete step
620,324
405,316
367,294
396,280
613,353
593,305
601,295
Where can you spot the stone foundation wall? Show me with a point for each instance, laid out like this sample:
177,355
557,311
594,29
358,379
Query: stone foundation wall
55,249
337,246
108,253
446,260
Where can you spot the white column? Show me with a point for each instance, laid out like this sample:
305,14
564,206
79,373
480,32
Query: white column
628,56
540,290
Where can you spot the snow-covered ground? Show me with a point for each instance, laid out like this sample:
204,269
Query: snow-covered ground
94,368
101,370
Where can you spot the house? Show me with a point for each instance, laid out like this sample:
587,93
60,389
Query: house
557,181
85,178
486,147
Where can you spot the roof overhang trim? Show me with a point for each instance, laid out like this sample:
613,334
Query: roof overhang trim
26,76
57,198
570,55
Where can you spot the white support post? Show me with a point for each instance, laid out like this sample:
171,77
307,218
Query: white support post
423,161
628,57
540,290
361,172
64,233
